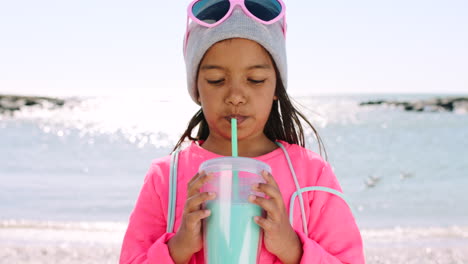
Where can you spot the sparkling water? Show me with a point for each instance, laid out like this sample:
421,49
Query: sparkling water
87,160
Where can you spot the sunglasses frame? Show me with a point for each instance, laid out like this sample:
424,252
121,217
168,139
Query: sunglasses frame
233,4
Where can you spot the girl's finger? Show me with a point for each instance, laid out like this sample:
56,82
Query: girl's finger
268,205
194,186
195,177
268,189
264,223
269,179
190,189
193,203
195,217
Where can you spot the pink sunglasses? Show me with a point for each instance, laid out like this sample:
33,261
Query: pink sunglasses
211,13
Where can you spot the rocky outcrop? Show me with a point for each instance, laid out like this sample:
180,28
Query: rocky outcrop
11,103
459,104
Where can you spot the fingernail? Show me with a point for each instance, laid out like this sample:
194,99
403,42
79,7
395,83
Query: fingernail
255,186
252,198
211,194
256,218
207,212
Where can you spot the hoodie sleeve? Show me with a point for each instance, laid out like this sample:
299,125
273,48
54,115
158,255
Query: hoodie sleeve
333,234
145,240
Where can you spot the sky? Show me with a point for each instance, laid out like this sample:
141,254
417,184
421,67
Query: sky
103,47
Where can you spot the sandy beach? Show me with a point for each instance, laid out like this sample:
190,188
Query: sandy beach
51,242
30,243
423,245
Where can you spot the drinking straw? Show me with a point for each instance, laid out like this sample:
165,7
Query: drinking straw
234,137
235,172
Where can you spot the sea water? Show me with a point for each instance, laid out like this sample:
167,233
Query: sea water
86,162
65,170
231,235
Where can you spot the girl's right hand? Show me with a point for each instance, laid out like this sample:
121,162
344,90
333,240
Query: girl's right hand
188,239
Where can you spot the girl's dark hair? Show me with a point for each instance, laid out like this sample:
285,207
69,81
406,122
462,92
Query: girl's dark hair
282,124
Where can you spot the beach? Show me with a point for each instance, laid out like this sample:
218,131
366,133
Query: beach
70,174
53,242
409,245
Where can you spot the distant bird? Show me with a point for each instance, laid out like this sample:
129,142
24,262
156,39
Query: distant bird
371,181
406,175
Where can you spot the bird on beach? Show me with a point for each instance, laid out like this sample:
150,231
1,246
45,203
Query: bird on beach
405,175
371,181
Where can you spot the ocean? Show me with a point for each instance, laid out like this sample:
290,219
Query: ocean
81,166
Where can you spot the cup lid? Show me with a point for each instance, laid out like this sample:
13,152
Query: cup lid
239,163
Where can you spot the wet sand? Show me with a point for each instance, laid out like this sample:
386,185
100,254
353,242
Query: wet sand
98,244
409,245
109,254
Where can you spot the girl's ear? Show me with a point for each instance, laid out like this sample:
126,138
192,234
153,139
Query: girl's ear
275,97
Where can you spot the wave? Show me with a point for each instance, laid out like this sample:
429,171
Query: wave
26,233
410,233
416,233
55,225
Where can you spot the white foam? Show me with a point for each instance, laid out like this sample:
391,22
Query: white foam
85,226
22,232
23,241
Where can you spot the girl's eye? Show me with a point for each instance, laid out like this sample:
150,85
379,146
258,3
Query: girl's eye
256,81
215,81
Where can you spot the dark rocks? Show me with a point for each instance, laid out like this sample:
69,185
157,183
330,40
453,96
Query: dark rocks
12,103
450,104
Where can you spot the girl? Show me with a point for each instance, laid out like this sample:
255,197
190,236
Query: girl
236,68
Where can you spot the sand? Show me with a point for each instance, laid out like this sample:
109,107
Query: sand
423,245
100,243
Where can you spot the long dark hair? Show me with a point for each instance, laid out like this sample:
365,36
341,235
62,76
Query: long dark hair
282,124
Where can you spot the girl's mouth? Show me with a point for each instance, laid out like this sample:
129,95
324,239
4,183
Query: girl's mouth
239,118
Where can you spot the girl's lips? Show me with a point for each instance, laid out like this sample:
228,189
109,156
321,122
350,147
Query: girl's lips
240,119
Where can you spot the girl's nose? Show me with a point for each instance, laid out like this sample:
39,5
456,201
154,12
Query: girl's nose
236,94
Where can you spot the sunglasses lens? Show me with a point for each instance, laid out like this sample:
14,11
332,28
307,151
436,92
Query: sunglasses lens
266,10
210,11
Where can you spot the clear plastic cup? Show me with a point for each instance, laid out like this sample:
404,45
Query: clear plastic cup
230,234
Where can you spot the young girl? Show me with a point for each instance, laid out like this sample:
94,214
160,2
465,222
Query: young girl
236,68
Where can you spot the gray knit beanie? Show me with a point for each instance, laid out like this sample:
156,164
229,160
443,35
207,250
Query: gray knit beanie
238,25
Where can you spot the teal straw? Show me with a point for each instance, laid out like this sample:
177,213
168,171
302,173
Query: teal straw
235,176
234,137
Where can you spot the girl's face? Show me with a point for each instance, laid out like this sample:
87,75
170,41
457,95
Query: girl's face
236,79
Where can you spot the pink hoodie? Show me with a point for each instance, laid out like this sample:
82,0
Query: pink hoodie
333,234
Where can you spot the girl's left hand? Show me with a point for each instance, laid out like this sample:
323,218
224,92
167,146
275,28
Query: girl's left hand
279,237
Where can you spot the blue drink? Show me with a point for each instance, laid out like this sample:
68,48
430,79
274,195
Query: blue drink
231,235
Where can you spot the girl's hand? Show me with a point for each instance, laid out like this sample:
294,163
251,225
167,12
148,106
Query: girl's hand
279,237
188,239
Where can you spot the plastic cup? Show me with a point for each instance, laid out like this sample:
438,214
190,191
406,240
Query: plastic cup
230,235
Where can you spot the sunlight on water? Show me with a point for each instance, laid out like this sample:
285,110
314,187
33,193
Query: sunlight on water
323,111
160,123
141,121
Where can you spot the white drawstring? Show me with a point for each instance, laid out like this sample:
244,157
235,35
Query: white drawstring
298,188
